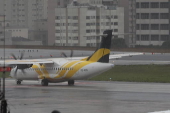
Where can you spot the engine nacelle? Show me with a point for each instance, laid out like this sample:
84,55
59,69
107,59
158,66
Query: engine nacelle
24,66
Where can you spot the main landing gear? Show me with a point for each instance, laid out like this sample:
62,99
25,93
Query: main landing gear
44,82
71,82
18,82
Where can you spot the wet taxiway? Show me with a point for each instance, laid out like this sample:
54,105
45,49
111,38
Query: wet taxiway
87,97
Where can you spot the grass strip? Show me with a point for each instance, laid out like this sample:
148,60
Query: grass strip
137,73
133,73
6,74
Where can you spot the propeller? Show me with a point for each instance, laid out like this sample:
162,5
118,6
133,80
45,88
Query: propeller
20,66
71,54
21,57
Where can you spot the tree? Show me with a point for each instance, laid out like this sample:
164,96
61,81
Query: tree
166,44
118,43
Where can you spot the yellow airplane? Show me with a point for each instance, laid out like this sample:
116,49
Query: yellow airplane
65,69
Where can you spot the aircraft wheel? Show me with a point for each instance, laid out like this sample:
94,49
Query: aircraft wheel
71,82
18,82
44,82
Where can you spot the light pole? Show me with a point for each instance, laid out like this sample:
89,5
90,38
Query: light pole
2,86
4,63
3,100
1,32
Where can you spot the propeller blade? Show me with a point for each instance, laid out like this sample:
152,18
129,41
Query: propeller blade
71,55
15,74
63,54
23,71
22,54
19,66
13,56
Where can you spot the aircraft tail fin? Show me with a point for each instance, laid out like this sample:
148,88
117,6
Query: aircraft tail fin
103,52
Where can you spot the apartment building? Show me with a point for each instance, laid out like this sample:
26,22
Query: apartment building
77,24
25,14
129,20
99,2
141,18
110,2
152,22
4,34
52,5
17,32
92,2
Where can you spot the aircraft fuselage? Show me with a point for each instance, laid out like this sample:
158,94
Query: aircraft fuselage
62,70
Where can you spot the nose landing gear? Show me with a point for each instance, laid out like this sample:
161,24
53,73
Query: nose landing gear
18,82
71,82
44,82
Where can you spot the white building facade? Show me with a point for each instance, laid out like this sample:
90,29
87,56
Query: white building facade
152,22
24,13
78,25
18,32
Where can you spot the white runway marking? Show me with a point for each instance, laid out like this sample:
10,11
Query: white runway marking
161,111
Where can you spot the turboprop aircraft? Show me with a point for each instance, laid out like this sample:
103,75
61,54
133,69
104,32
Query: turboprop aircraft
64,69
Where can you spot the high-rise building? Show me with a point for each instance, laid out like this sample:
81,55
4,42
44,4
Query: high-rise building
110,2
26,14
92,2
147,21
52,5
1,7
152,22
129,20
4,34
77,24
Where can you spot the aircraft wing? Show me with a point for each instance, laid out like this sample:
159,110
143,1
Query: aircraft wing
32,61
117,56
50,61
77,58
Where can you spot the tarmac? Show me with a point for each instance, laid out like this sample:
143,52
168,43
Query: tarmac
87,97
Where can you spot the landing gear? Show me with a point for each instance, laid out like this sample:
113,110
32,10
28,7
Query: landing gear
44,82
18,82
71,82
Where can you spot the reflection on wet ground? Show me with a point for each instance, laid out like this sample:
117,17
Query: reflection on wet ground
87,97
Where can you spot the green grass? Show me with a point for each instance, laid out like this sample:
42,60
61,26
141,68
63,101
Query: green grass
137,73
6,74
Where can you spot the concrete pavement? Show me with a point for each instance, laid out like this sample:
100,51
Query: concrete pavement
88,97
